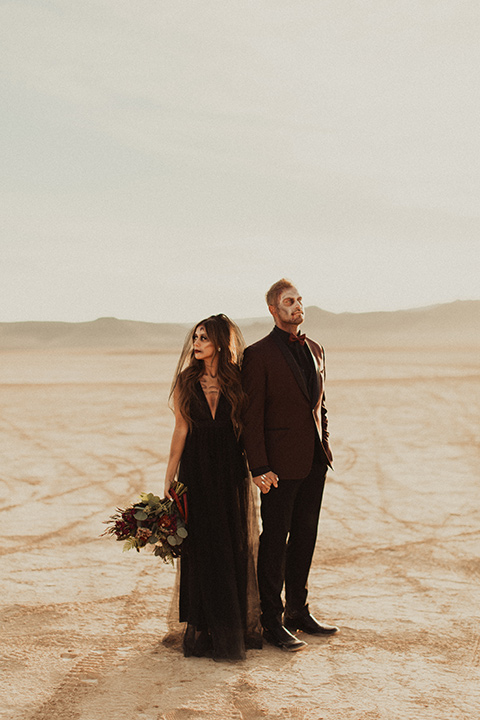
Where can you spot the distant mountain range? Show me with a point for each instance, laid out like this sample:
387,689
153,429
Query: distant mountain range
456,323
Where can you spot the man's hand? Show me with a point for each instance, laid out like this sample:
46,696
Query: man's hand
265,481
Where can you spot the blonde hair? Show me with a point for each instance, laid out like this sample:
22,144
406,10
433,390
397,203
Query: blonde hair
277,288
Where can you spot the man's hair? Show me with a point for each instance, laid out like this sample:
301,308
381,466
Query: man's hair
275,291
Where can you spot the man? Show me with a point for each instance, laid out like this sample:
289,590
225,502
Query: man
286,441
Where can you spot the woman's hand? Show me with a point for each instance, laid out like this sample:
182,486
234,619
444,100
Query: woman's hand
166,488
265,481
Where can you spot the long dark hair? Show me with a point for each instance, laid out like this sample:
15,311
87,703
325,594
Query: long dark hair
226,335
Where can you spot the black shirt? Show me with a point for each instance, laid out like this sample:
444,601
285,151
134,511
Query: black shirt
302,356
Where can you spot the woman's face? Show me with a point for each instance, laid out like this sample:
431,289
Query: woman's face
203,348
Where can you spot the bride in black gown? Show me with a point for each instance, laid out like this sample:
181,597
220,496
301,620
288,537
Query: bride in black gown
218,592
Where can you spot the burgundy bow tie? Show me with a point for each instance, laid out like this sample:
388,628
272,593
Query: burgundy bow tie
297,338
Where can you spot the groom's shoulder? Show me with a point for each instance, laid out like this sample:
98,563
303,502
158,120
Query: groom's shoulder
316,349
314,345
260,345
263,342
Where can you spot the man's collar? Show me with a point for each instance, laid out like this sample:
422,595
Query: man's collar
282,334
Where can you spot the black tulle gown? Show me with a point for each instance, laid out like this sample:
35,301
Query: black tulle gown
218,592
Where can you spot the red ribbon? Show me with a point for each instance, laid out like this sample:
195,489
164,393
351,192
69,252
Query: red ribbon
182,510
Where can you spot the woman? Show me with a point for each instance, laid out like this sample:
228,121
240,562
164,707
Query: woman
218,593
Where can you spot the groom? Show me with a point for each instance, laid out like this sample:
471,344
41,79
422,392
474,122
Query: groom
286,441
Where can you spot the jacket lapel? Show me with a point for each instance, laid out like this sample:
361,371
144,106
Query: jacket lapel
292,364
316,386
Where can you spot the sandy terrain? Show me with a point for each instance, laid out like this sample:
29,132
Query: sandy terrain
397,564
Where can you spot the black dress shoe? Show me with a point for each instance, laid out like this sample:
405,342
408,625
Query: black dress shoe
280,637
308,624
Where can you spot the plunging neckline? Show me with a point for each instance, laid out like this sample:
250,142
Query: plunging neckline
213,414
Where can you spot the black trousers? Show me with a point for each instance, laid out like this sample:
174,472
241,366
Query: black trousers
290,521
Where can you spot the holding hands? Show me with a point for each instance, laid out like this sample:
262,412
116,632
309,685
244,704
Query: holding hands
265,481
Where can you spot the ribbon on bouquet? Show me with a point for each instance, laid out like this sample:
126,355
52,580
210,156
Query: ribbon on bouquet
182,510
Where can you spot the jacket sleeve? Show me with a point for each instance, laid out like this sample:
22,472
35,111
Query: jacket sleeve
324,417
254,385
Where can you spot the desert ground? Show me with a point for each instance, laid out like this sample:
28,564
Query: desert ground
397,564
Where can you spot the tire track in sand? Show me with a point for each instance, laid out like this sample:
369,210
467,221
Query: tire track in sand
64,703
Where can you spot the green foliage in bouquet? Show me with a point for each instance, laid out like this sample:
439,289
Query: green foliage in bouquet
155,522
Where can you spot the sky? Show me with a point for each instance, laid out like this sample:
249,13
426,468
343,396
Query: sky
163,160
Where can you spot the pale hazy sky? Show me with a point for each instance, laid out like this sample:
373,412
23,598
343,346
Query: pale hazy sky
166,159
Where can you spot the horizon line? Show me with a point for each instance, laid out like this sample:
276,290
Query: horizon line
250,318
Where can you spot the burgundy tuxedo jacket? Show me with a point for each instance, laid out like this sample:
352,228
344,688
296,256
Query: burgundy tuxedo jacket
281,420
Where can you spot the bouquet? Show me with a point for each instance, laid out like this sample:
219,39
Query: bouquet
155,522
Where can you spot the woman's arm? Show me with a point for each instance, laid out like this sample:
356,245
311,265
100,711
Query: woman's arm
176,446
